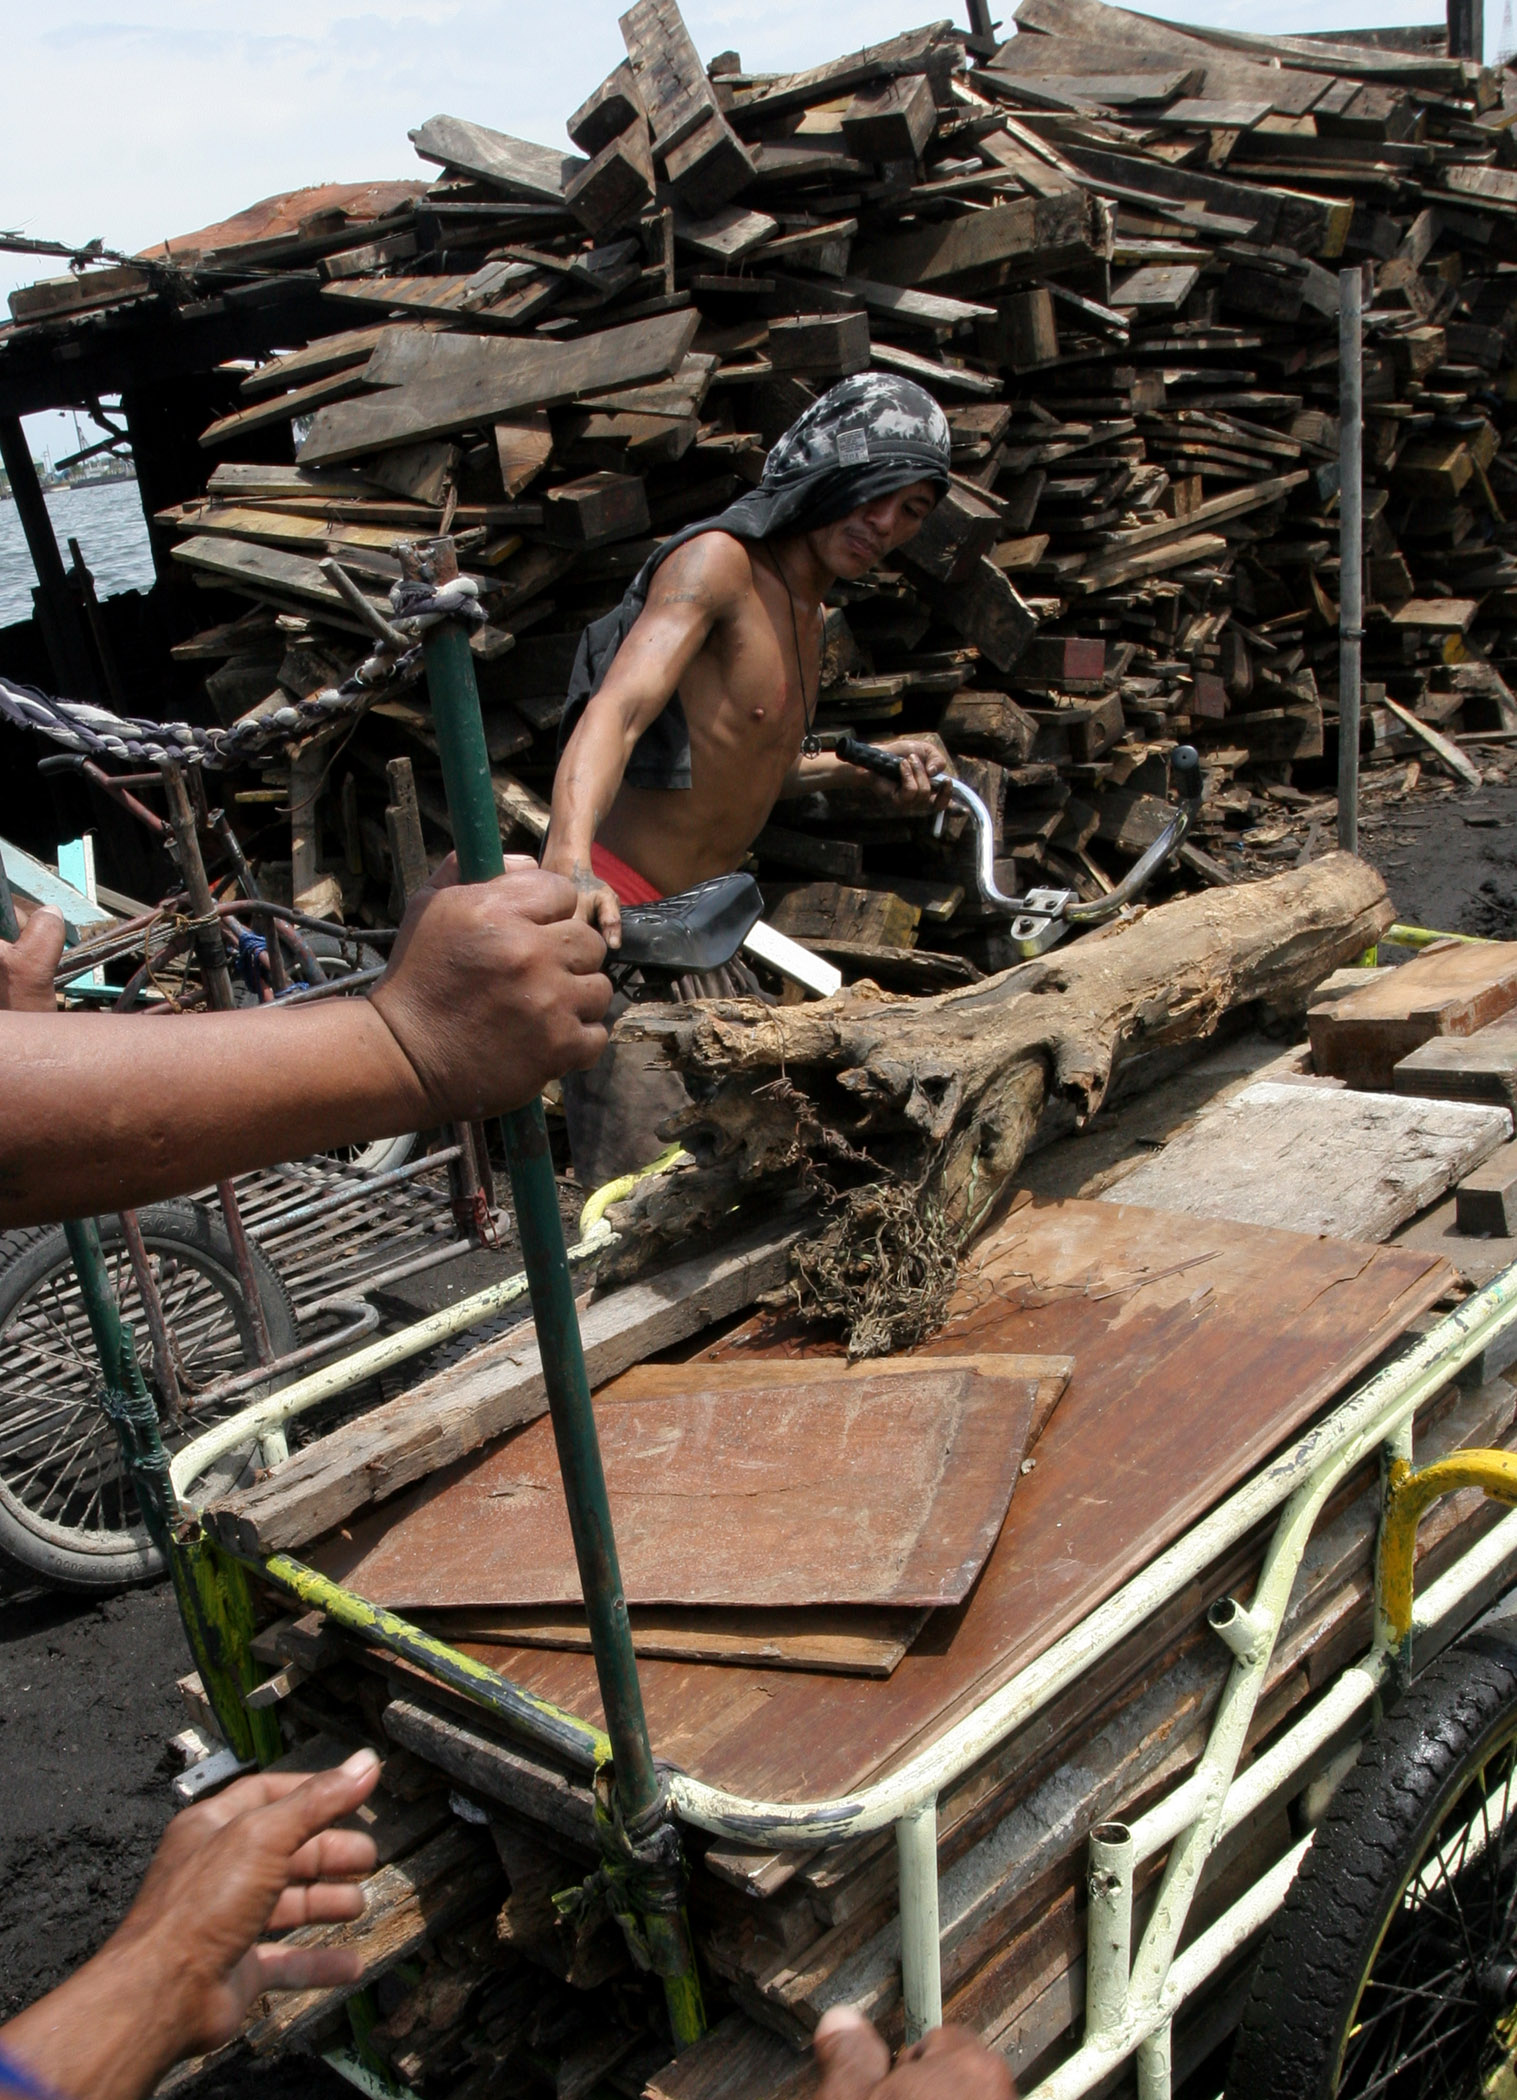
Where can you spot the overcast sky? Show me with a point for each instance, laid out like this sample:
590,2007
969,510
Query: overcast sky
136,119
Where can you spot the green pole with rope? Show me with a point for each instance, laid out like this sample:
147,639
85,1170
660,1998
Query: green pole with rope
642,1871
215,1602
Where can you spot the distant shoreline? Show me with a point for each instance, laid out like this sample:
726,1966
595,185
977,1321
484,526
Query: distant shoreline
75,488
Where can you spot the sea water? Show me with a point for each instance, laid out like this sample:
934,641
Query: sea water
112,535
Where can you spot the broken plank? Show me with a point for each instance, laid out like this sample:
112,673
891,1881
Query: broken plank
279,408
432,384
1448,754
981,241
1316,1159
1447,990
854,1642
493,1389
517,166
328,354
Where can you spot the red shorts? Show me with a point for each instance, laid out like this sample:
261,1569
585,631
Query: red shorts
630,887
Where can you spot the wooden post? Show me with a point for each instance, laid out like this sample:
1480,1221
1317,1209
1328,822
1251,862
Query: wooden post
982,38
1466,20
1350,549
408,852
59,613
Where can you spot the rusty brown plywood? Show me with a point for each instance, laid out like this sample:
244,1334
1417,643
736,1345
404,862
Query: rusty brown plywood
783,1485
858,1643
1444,991
1199,1346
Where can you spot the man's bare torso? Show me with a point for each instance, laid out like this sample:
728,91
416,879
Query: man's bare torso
746,716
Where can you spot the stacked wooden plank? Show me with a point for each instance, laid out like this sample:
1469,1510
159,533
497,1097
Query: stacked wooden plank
1111,250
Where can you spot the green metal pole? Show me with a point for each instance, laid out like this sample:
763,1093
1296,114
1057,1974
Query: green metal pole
465,761
214,1598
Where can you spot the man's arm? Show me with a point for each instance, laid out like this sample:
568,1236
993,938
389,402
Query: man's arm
492,990
700,584
921,757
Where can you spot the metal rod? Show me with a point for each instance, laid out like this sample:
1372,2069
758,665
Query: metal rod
1108,1926
1350,548
152,1307
210,947
916,1847
459,728
348,1193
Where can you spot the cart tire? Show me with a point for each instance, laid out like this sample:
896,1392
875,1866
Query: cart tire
1392,1960
75,1525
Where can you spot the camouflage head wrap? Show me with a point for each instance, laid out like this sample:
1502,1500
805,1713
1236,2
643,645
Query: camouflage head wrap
867,437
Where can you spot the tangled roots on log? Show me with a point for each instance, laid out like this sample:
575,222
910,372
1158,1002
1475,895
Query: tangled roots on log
884,1265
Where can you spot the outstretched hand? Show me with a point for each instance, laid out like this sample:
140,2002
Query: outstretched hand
493,989
179,1973
948,2064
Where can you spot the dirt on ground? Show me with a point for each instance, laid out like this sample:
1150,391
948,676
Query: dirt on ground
88,1697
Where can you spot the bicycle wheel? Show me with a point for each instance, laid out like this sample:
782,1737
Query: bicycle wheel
1391,1970
67,1510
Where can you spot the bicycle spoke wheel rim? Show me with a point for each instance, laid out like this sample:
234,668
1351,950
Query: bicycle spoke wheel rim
1445,1970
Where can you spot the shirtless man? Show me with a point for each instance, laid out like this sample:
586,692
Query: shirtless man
692,706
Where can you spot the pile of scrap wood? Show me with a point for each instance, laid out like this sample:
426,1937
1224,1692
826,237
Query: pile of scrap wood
1164,1325
1110,247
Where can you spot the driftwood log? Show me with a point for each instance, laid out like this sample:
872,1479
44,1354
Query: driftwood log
914,1114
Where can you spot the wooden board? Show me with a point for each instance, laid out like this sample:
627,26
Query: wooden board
866,1484
516,166
436,383
1317,1159
495,1387
1478,1067
959,247
1199,1347
858,1643
1443,991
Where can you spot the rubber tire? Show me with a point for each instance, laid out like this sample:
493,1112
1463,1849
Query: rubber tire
1323,1941
201,1234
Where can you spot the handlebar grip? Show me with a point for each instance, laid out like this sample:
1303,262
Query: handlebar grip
61,762
853,751
1185,770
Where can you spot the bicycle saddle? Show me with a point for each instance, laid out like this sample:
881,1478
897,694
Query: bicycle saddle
698,929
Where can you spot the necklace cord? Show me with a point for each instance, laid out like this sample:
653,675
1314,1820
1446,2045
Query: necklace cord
809,743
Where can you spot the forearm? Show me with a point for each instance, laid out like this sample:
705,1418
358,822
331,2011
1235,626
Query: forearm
823,772
172,1104
109,2032
584,788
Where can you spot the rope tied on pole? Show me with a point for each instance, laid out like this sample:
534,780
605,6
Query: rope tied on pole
641,1877
396,660
130,1409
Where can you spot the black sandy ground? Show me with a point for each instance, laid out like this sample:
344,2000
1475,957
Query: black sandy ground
87,1689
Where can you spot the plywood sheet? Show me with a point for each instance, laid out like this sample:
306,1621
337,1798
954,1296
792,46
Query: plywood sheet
858,1643
787,1484
1317,1159
1199,1348
1444,991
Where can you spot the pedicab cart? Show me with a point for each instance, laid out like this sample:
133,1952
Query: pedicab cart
1283,1764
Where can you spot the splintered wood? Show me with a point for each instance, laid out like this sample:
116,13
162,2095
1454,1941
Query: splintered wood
718,1498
